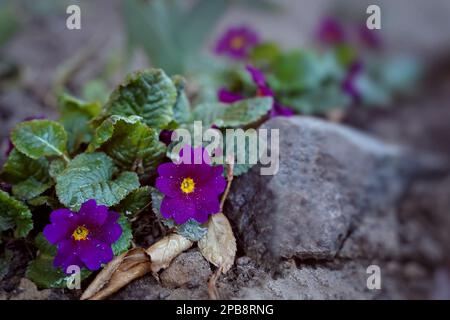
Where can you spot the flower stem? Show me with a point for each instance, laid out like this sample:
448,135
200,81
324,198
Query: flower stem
227,190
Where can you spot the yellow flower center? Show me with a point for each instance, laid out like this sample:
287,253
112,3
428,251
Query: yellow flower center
237,42
80,233
187,185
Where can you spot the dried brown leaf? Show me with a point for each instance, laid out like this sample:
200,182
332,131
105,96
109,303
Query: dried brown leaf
166,249
218,246
118,273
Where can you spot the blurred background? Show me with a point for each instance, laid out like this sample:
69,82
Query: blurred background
40,58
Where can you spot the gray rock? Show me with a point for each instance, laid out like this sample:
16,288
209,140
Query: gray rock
330,178
189,269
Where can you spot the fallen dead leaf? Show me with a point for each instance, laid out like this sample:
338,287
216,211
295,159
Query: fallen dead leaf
118,273
218,246
167,249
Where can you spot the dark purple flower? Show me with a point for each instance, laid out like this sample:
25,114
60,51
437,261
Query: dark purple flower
237,43
191,188
348,85
227,96
369,38
330,31
83,238
166,136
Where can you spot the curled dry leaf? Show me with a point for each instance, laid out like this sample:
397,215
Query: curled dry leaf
166,249
118,273
218,246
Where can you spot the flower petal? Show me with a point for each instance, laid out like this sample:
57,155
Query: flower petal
110,231
91,214
94,252
180,209
63,222
67,255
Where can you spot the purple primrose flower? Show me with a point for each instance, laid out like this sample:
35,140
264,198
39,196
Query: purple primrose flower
83,238
191,188
237,43
369,38
348,85
331,31
263,90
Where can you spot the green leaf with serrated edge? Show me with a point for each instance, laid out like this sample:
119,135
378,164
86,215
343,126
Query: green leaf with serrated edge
40,138
42,272
29,177
90,176
238,114
181,109
14,215
56,167
149,94
75,117
124,242
156,205
134,202
191,229
51,202
5,261
130,143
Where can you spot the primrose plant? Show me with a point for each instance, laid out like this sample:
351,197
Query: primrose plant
75,184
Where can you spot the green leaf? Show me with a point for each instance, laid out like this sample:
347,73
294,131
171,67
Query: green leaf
134,202
42,272
75,117
51,202
124,242
56,167
130,143
29,177
182,109
14,215
238,114
40,138
149,94
265,53
191,229
90,176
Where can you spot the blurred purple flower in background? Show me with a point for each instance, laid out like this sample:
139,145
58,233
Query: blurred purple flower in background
83,238
190,190
369,38
237,43
330,31
263,90
349,83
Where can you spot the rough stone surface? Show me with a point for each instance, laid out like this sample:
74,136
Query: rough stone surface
329,178
189,270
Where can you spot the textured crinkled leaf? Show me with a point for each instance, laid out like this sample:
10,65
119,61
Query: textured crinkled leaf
75,117
14,215
130,143
29,177
181,109
192,230
165,250
90,176
124,242
56,167
238,114
41,270
219,244
40,138
134,202
157,197
149,94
